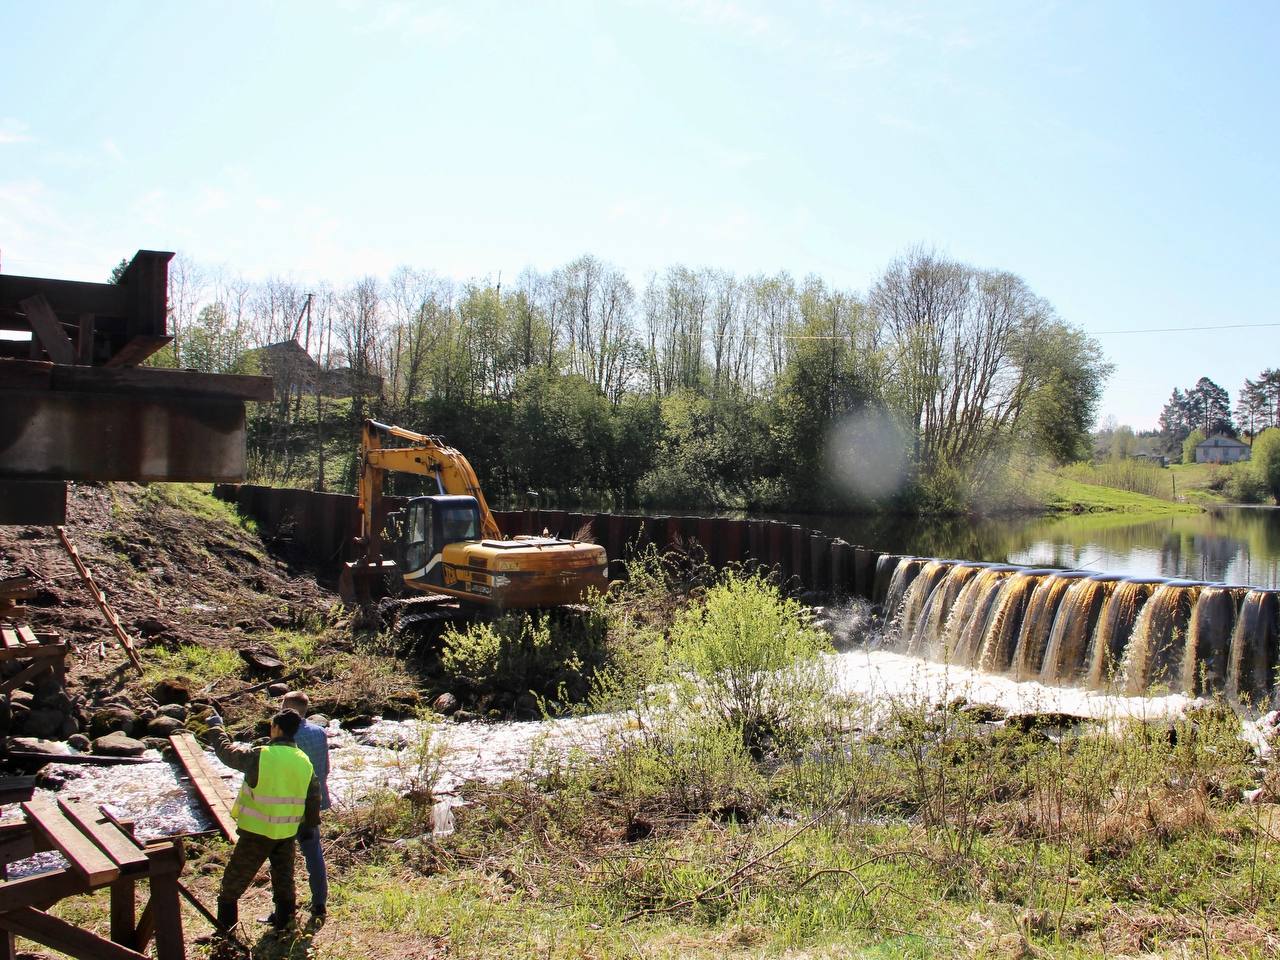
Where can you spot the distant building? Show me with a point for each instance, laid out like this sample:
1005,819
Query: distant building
294,371
1220,449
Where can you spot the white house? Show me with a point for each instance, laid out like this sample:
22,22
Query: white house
1220,449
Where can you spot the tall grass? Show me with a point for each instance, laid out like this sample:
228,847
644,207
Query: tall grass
1134,476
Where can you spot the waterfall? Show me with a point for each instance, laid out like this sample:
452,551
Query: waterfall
1251,668
1155,648
1208,648
1074,626
904,574
1037,622
927,632
1115,627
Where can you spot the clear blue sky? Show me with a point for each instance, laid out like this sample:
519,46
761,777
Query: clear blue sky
1121,157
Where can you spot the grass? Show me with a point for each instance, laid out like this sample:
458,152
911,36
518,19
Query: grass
198,500
1064,494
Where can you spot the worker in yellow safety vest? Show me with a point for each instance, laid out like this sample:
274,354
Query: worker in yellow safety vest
280,794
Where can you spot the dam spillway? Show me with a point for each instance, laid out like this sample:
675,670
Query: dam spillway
1130,635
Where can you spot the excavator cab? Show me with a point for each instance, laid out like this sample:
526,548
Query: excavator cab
431,524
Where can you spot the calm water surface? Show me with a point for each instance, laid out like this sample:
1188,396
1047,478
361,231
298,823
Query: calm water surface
1239,545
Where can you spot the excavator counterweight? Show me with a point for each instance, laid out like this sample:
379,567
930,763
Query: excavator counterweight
449,544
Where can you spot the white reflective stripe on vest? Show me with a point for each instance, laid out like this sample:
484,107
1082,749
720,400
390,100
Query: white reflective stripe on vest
251,794
252,814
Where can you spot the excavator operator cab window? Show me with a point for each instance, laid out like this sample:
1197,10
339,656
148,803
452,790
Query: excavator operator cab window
417,530
460,522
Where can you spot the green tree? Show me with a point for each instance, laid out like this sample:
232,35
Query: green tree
1195,437
1265,462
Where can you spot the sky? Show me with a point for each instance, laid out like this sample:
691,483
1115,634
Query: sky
1120,157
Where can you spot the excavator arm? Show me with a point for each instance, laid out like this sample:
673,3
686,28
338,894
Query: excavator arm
418,454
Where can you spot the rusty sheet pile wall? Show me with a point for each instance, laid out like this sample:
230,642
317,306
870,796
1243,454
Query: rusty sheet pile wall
319,528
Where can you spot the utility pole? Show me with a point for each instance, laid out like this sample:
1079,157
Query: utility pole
320,365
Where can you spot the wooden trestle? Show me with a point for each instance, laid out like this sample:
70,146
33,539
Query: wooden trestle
100,852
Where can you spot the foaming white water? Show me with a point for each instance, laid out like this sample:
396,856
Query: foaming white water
880,676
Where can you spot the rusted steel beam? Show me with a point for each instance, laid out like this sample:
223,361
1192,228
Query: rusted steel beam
95,437
156,382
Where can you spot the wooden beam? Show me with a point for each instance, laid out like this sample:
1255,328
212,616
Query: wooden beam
27,636
122,850
84,341
137,350
156,380
10,637
29,672
57,934
45,325
67,296
210,789
79,850
49,887
100,599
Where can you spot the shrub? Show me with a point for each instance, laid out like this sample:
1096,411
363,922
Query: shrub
751,658
524,653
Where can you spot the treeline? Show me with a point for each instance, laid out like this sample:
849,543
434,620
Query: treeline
697,388
1204,410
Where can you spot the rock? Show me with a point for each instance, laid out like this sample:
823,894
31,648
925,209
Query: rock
55,700
112,719
319,719
277,689
358,722
48,724
162,727
445,704
984,712
23,697
1026,722
155,743
55,776
465,716
175,710
78,741
150,626
526,707
263,660
172,690
118,744
35,745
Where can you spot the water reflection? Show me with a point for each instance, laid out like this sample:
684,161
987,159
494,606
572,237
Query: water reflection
1239,545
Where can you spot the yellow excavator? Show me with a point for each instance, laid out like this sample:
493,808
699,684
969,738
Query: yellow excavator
448,545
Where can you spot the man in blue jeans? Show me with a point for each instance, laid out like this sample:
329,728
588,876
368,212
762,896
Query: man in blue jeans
312,740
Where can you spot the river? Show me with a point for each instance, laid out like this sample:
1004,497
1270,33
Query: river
1237,545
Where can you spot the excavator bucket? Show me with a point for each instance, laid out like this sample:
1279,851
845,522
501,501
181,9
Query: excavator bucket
361,583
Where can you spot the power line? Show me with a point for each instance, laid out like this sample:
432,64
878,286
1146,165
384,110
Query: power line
1101,333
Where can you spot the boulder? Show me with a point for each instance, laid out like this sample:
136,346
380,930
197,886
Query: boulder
78,741
175,710
263,660
526,707
118,744
277,689
163,727
172,690
55,776
112,719
48,724
150,626
155,743
445,704
23,697
55,700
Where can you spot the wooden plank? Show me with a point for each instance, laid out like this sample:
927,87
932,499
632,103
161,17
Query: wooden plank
137,350
59,935
168,916
27,758
106,836
46,887
29,672
27,636
99,599
79,850
11,641
45,325
154,380
210,789
16,789
84,340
